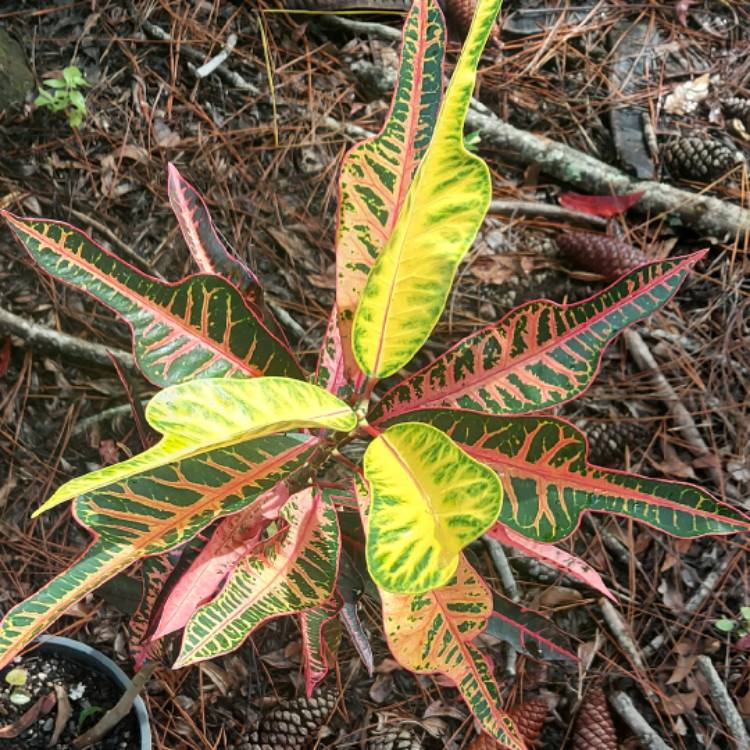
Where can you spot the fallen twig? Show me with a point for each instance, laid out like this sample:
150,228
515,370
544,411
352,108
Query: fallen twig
717,692
632,717
544,211
118,712
500,561
228,76
46,339
707,586
702,213
209,67
684,419
621,632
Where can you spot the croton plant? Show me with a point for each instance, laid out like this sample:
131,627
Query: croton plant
234,516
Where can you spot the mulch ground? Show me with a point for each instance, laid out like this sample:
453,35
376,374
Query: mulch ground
267,161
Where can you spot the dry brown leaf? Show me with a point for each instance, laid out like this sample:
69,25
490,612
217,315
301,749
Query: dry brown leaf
382,688
43,706
687,96
64,712
164,135
220,677
679,703
494,269
559,596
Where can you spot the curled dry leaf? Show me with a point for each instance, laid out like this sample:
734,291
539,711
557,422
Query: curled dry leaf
43,706
687,96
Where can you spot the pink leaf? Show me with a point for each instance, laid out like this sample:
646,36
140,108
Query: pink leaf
599,205
551,555
233,539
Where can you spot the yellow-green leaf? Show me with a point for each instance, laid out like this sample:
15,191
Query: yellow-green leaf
433,632
429,499
202,414
447,200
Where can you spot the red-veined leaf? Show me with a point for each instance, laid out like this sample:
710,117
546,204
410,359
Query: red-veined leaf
293,571
433,632
234,538
376,174
318,642
528,632
541,353
332,372
153,512
199,327
564,561
548,482
600,205
155,572
201,237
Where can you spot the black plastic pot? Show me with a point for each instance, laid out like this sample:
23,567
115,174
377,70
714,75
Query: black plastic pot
98,662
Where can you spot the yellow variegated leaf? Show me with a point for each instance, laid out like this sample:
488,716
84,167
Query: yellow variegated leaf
433,632
203,414
447,200
429,499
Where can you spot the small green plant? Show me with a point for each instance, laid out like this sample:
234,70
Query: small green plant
739,625
63,94
87,713
464,447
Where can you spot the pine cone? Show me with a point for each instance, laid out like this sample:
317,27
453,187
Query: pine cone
394,738
528,717
607,256
293,723
594,728
694,158
736,107
608,441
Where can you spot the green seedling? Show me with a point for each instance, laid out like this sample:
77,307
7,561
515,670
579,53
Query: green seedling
63,94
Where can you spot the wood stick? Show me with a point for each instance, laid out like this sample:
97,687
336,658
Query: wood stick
632,717
717,692
684,419
47,339
118,712
545,211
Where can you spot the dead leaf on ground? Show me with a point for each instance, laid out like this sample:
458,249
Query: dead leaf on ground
680,703
687,96
559,597
64,712
43,706
387,666
220,677
164,135
382,688
495,269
